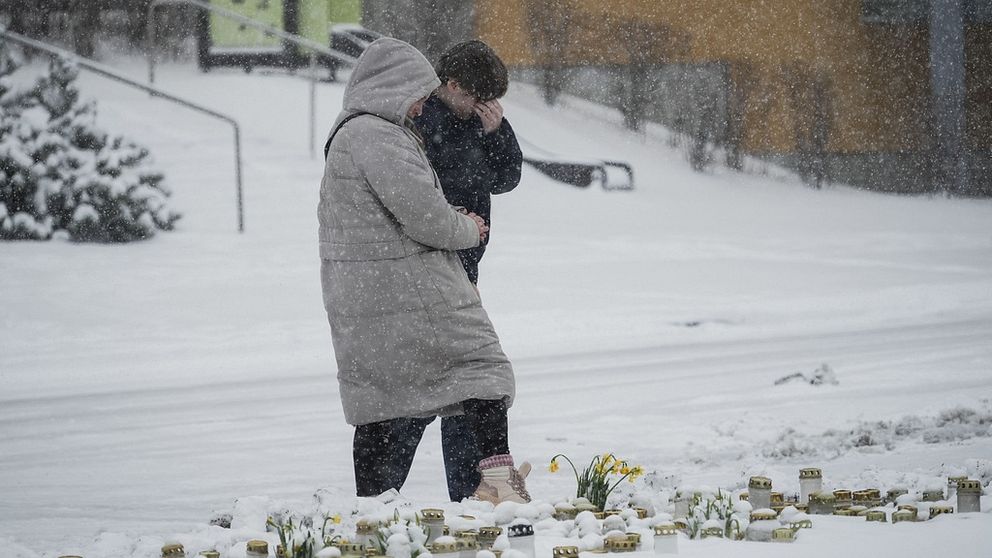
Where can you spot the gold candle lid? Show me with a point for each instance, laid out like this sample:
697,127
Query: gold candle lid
635,537
371,551
468,517
763,515
876,515
783,534
847,512
173,550
469,534
744,496
759,482
350,548
824,497
444,547
599,515
861,495
256,545
432,514
712,532
490,532
953,481
681,524
565,552
621,545
210,554
801,524
610,512
939,510
811,473
903,515
843,494
969,485
933,495
665,530
777,498
366,526
642,513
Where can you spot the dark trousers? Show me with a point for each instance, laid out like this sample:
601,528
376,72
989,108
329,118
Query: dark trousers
383,451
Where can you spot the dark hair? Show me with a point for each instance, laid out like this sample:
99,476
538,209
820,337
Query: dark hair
476,67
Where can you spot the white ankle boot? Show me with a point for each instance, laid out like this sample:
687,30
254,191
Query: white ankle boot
502,482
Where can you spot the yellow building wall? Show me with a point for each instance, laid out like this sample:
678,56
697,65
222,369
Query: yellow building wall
878,74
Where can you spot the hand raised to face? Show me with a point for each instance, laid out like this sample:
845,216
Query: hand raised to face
491,114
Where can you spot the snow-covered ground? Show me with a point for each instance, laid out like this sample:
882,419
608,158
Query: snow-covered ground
144,387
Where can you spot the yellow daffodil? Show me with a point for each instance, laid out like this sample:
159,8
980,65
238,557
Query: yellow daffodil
624,470
336,519
554,466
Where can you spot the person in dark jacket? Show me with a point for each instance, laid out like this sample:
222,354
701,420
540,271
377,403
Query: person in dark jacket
475,153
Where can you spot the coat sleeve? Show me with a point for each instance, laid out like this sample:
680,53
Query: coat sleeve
505,158
403,181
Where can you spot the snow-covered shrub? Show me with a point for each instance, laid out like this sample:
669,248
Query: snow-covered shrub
60,174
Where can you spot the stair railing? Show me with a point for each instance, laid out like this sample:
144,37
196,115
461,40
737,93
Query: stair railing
313,48
110,73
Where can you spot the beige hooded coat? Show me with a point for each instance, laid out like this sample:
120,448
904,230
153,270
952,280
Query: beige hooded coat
410,335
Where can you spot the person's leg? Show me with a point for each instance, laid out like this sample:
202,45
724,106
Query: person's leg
487,418
382,453
406,436
461,457
369,454
501,481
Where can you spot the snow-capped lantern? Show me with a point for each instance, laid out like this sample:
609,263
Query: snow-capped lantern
619,545
763,522
488,535
844,498
783,535
257,548
777,501
565,552
468,543
821,503
666,538
933,495
874,497
910,509
759,490
876,515
565,511
683,498
969,493
365,531
894,493
940,509
861,498
614,523
521,537
711,531
634,538
903,515
810,481
433,520
173,551
952,486
445,547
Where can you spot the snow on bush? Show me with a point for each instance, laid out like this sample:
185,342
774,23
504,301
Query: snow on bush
61,175
952,425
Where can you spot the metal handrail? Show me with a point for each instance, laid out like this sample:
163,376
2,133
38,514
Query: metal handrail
108,72
313,47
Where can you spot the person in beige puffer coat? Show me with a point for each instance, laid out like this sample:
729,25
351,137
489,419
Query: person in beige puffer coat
410,335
